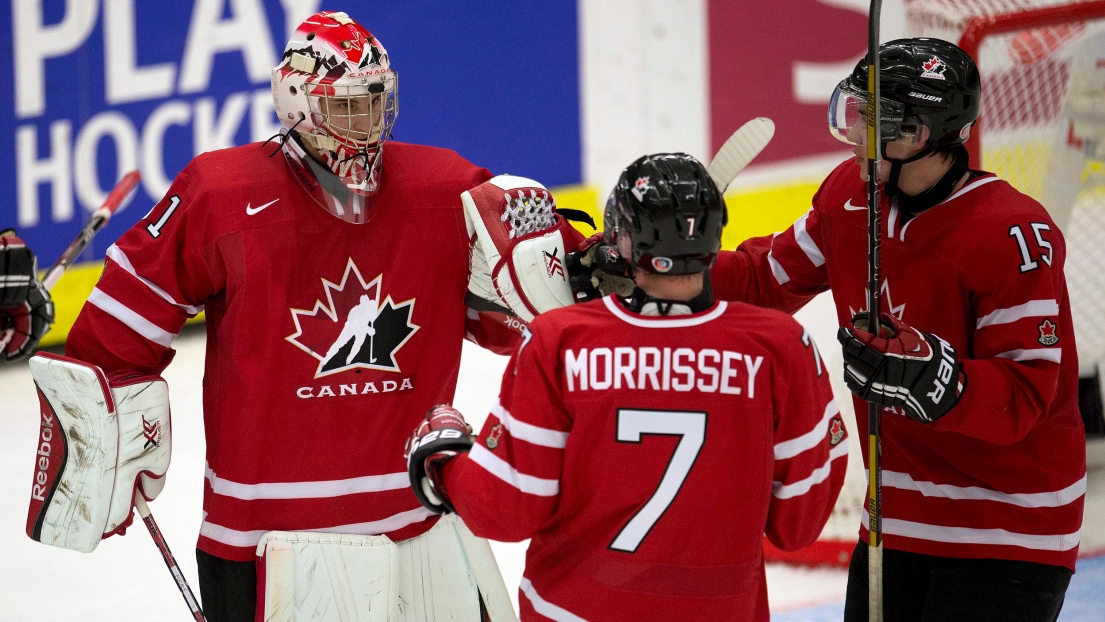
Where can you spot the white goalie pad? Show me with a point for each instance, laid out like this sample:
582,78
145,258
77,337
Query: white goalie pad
519,246
325,577
99,442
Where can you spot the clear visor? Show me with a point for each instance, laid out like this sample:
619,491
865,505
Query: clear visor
848,118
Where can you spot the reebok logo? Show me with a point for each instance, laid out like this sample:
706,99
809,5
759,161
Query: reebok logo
250,211
853,208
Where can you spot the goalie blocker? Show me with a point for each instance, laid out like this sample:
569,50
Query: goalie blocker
102,439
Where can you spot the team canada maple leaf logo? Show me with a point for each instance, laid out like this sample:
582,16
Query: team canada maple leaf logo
934,68
352,328
886,306
640,188
836,431
1048,333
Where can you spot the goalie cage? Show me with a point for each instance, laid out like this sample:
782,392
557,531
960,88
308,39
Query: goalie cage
1042,129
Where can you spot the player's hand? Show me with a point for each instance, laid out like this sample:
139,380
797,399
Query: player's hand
903,366
596,269
442,436
26,311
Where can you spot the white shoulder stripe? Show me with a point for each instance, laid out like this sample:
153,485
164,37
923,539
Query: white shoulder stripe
788,491
809,440
1055,355
504,471
544,607
1051,499
1032,308
971,535
133,320
528,432
806,243
118,256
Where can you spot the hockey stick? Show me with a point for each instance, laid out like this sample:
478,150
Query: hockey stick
874,275
739,149
167,555
99,220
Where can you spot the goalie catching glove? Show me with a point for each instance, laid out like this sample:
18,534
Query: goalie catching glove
518,247
441,437
903,366
26,311
102,439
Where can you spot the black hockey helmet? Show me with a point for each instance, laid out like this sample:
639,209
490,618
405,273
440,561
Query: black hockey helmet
666,214
923,81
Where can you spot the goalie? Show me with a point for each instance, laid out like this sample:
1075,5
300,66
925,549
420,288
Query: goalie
340,272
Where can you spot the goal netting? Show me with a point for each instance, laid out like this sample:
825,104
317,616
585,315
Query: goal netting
1042,128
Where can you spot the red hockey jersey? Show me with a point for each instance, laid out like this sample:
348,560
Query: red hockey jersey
648,456
1003,474
327,341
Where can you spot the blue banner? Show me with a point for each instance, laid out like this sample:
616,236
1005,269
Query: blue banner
103,87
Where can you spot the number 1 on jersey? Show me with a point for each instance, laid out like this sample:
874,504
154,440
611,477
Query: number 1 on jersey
691,428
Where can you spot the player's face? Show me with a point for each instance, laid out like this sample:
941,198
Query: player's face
359,118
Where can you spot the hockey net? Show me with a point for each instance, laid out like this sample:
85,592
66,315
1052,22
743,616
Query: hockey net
1042,128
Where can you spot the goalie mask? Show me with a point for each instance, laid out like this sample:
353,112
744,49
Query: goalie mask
923,83
335,88
666,215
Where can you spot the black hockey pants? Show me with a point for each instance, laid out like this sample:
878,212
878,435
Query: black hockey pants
925,588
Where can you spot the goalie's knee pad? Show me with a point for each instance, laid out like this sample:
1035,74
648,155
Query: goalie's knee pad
519,246
101,440
444,574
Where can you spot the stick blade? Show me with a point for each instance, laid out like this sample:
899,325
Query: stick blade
740,149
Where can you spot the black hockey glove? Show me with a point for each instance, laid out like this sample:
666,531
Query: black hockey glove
903,367
596,269
26,311
438,439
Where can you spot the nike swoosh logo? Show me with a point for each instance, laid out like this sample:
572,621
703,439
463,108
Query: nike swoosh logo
852,208
253,210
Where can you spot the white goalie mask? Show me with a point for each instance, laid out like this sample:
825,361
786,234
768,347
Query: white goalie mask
335,87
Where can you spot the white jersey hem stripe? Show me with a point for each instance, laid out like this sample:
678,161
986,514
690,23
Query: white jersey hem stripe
119,257
249,539
544,607
971,535
663,322
130,318
504,471
788,491
529,432
1032,308
809,440
1051,499
306,490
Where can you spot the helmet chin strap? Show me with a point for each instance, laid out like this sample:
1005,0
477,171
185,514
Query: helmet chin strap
934,194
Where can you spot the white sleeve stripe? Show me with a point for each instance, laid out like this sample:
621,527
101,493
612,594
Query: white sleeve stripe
544,607
1032,308
809,440
307,490
132,320
1055,355
972,535
528,432
788,491
119,257
777,270
806,243
504,471
1049,499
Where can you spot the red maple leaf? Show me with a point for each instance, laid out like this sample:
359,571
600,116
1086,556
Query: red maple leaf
932,64
317,329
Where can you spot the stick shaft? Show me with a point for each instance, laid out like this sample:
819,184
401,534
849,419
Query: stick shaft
167,555
874,274
99,219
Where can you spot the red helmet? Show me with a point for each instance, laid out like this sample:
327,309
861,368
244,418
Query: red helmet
335,87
